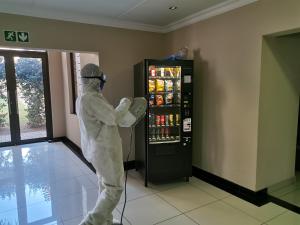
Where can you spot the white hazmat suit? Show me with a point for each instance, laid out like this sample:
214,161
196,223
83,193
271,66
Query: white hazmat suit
101,142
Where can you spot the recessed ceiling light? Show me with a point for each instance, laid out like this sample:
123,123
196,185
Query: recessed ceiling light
173,7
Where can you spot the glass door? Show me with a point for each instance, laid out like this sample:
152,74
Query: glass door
164,90
5,131
25,109
30,97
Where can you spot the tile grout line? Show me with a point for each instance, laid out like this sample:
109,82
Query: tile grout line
285,210
216,200
168,219
210,193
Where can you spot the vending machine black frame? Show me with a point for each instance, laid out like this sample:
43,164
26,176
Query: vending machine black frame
167,161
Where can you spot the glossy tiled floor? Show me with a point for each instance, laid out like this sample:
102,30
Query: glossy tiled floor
47,184
289,192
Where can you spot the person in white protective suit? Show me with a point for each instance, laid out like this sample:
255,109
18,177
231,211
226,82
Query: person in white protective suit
101,142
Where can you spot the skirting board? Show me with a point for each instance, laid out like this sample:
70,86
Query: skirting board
258,198
77,151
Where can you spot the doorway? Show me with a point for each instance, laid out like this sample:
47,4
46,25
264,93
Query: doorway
25,108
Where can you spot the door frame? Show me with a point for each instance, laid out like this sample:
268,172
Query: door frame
11,87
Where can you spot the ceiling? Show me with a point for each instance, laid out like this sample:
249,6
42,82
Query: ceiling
150,15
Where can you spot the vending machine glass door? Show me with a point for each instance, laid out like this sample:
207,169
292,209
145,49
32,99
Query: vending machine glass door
164,94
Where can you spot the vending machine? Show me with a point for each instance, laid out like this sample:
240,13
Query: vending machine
163,140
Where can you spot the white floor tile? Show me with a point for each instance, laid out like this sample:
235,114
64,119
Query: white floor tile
135,190
77,220
219,213
212,190
186,197
292,197
78,204
72,185
178,220
148,210
263,213
289,218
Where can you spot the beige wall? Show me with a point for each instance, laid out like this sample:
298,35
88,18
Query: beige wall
119,50
227,53
71,120
57,93
278,110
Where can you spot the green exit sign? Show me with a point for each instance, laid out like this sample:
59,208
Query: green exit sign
10,35
23,36
16,36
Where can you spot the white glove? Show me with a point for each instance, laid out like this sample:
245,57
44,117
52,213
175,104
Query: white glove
128,120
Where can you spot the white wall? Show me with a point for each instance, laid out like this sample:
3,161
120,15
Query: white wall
57,93
278,110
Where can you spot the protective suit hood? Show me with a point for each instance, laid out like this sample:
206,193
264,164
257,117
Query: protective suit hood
92,78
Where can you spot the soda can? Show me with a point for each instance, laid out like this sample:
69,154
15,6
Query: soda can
157,120
162,120
153,72
158,134
167,120
153,137
177,120
171,120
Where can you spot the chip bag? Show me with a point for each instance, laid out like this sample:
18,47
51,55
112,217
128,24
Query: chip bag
151,85
160,85
159,100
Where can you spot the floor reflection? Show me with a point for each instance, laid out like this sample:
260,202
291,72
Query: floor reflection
36,182
288,191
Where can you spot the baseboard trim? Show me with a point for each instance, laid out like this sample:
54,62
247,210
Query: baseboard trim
56,139
77,151
258,198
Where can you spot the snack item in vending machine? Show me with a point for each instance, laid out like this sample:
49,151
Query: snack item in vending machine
152,71
153,134
177,71
162,72
159,100
168,72
171,120
168,85
158,134
162,131
151,85
169,98
160,85
167,131
157,120
151,100
178,85
177,120
178,98
151,120
162,120
167,120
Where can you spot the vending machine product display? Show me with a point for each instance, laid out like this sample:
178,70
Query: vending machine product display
163,141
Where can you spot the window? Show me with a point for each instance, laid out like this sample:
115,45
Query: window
77,61
75,73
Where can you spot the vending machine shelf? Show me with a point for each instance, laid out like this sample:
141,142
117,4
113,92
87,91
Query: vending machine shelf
163,92
163,106
164,78
164,142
